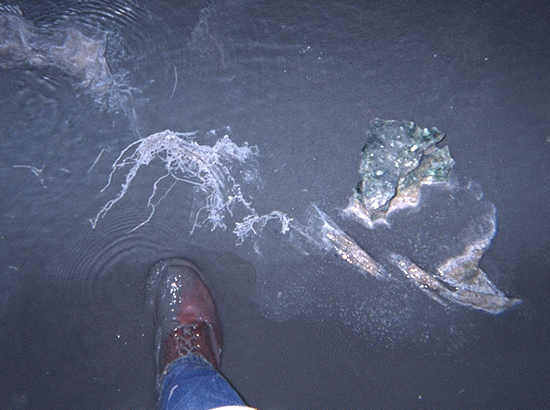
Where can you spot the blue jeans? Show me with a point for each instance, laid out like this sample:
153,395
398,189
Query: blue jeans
191,383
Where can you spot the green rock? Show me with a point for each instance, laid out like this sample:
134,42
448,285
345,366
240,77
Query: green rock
397,159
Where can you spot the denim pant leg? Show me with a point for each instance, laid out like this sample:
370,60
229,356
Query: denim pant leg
191,383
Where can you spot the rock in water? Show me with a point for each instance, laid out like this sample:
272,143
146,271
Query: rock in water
397,159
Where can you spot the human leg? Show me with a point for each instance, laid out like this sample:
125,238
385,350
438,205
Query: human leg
189,341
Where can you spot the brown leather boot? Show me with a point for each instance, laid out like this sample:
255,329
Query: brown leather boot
187,319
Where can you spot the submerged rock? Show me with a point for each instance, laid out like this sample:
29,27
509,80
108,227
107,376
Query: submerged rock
397,159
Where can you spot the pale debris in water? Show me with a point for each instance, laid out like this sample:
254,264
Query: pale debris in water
397,159
459,279
254,224
488,299
205,167
210,169
83,58
322,232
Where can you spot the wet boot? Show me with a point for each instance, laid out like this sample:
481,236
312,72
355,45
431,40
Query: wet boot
187,319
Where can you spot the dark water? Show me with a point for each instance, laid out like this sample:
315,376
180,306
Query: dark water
302,81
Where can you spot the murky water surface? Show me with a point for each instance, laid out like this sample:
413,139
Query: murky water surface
296,84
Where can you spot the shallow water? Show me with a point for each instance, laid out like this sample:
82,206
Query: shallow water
301,81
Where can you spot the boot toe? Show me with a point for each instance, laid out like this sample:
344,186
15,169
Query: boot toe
179,297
